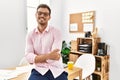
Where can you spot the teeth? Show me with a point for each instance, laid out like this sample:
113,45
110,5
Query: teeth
41,18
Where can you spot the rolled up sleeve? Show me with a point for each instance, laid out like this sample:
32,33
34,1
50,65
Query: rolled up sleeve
29,51
57,44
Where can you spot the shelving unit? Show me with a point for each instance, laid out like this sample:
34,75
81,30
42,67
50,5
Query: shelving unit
102,71
102,62
92,41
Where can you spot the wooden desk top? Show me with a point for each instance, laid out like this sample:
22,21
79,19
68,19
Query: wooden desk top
75,69
23,76
75,72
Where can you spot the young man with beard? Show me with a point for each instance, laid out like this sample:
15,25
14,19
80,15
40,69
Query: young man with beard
43,46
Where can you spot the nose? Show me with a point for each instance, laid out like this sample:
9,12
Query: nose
42,15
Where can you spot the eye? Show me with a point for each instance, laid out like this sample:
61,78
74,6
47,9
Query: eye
43,13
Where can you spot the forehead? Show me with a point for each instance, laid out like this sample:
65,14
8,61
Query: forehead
43,10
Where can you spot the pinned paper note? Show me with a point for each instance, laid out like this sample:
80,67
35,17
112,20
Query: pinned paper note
87,27
74,27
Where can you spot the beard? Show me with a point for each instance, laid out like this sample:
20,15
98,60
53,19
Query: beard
42,21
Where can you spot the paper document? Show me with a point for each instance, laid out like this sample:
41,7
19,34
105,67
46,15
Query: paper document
8,74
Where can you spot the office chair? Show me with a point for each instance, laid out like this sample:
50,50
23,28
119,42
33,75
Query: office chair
87,63
23,61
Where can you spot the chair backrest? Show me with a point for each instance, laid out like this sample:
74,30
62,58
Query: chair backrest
23,61
87,63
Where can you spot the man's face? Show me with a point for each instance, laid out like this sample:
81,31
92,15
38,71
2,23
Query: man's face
42,16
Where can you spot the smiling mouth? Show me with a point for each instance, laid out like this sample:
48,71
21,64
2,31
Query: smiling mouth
42,18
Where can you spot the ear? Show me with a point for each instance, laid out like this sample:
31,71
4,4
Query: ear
49,17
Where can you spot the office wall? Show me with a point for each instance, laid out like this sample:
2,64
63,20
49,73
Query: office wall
107,21
56,16
12,32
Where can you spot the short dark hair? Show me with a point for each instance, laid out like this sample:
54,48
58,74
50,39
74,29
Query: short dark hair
44,6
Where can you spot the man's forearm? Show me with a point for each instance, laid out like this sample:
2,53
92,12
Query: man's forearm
54,55
41,58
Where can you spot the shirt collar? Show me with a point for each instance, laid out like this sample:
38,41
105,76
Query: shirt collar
46,29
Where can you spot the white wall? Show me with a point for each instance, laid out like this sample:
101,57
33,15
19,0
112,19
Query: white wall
56,16
12,32
107,21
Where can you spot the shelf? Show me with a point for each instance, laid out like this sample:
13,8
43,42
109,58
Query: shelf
91,44
102,62
98,72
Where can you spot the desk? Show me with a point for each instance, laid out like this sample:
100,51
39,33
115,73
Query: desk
76,72
23,76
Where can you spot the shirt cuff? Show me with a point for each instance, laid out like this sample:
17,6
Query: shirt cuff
30,57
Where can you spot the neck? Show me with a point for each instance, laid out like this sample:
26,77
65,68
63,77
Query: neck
41,28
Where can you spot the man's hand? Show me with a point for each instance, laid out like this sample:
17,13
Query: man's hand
54,55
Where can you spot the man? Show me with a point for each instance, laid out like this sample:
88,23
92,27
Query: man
43,46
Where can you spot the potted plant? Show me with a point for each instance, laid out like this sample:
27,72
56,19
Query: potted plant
65,52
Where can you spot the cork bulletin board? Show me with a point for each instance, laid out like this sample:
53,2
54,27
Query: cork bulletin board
82,22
